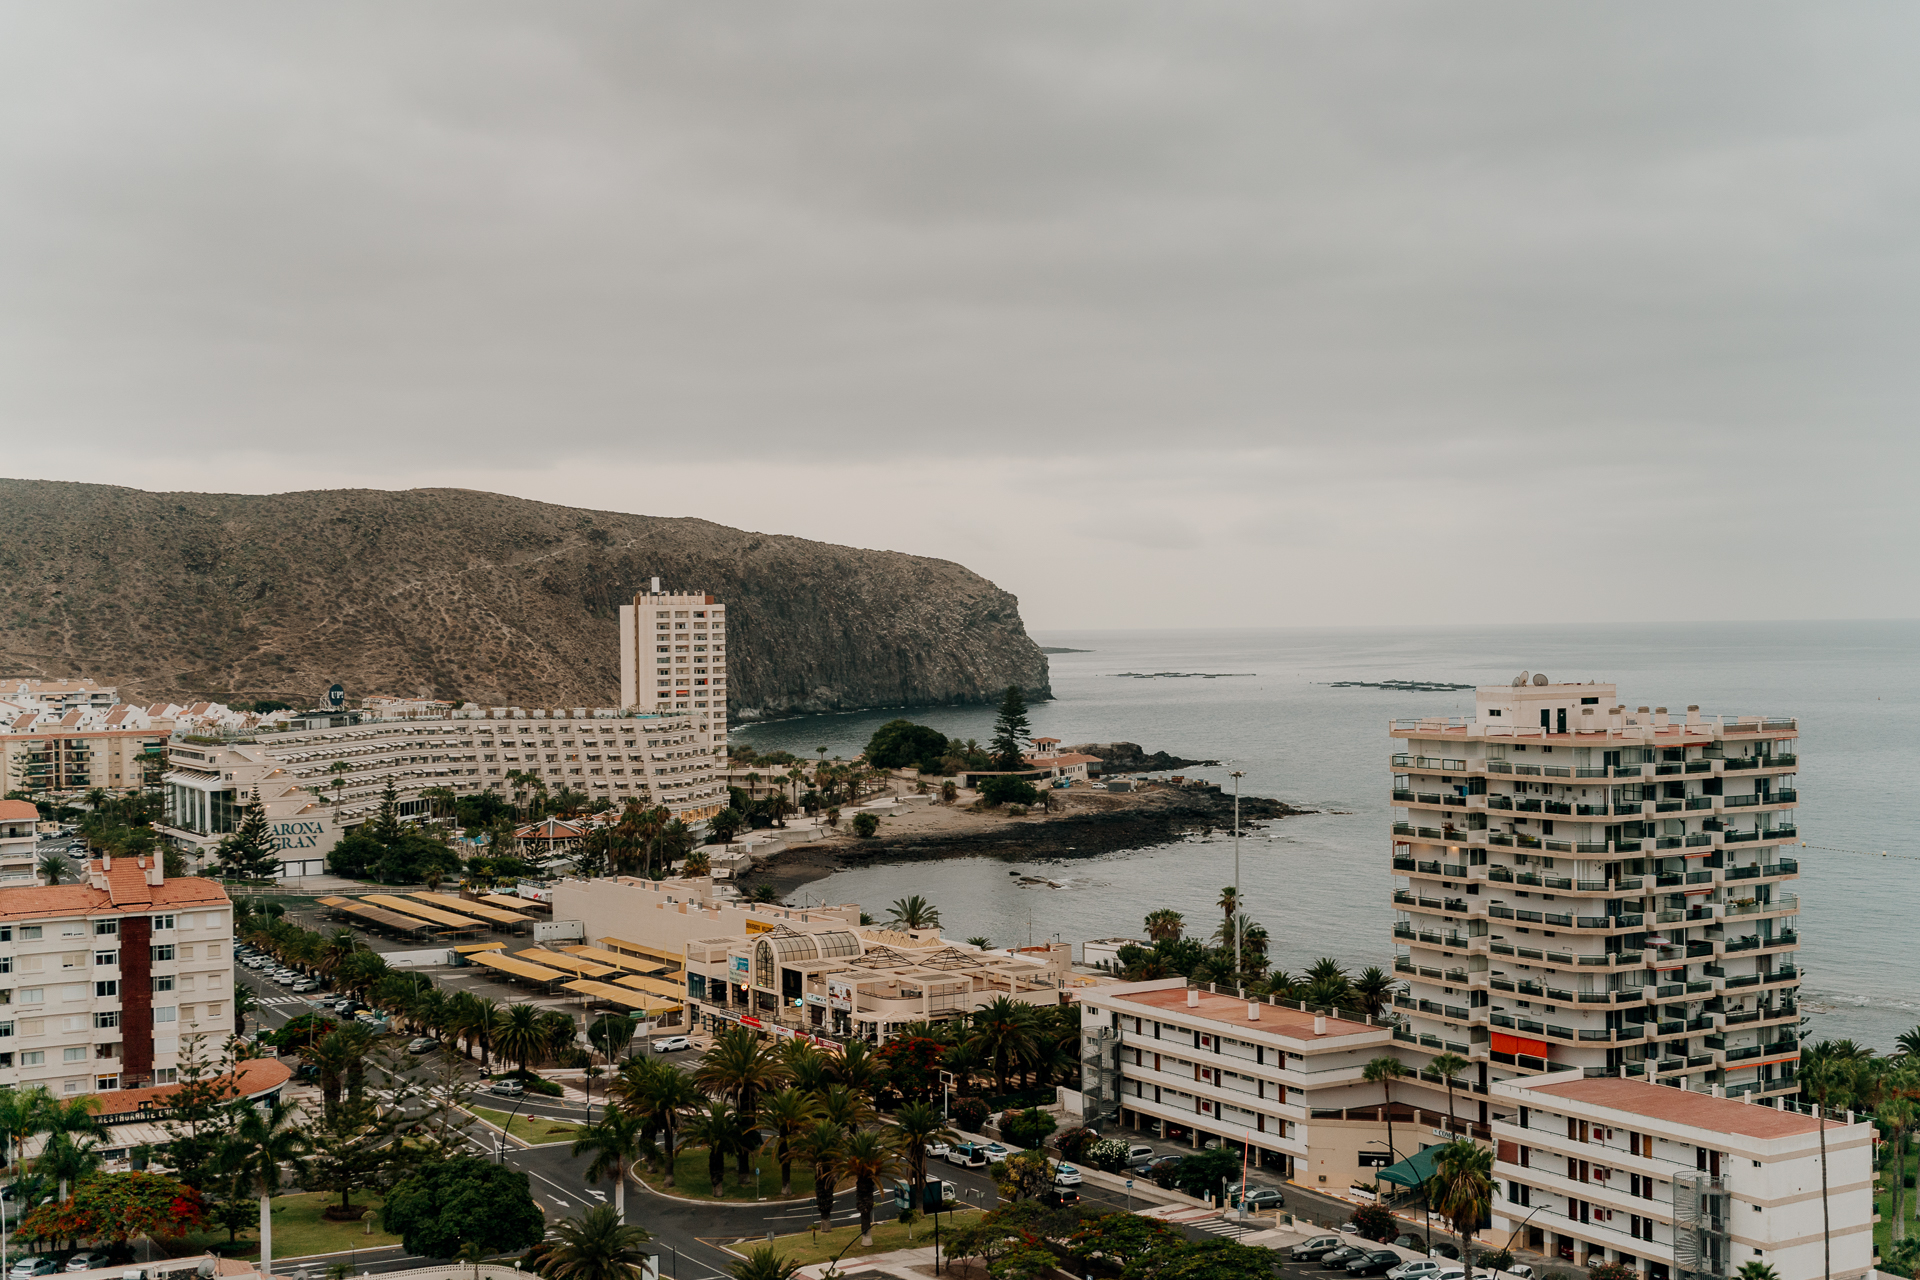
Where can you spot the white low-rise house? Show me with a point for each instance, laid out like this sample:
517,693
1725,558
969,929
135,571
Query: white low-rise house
1673,1182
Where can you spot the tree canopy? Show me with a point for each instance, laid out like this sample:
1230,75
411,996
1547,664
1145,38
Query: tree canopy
1010,731
441,1206
899,744
117,1207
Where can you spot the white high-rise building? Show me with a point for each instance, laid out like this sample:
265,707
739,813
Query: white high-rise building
1581,885
673,659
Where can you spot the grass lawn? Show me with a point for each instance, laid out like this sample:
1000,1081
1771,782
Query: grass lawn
804,1248
529,1128
299,1230
690,1177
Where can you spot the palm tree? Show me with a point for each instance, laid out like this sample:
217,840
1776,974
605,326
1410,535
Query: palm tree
919,1124
68,1122
1327,993
1003,1036
597,1245
821,1146
763,1264
860,1068
1448,1067
1326,968
517,1034
914,912
717,1128
67,1158
660,1095
615,1141
869,1159
949,791
1229,905
787,1113
268,1139
1382,1071
847,1108
1898,1114
1756,1271
1909,1043
1829,1081
739,1065
54,866
1463,1171
1373,990
21,1113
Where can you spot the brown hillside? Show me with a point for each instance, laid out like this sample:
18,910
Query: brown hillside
469,596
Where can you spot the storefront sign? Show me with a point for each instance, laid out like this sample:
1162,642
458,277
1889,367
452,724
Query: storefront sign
303,833
840,996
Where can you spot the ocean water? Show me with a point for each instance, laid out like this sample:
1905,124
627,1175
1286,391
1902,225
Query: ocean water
1320,883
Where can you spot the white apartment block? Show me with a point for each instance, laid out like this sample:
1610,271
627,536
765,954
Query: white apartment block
1581,885
100,980
82,749
1674,1183
318,783
673,658
19,839
1194,1065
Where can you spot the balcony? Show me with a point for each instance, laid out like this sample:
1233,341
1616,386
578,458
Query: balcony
1784,867
1699,766
1590,810
1402,797
1699,841
1699,802
1502,874
1742,802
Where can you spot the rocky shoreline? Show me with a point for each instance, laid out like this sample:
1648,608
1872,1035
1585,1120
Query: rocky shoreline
1135,820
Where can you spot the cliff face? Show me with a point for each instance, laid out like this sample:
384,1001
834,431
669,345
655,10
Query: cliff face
470,596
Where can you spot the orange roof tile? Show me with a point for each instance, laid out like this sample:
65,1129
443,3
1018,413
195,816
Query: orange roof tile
43,901
252,1077
1681,1106
18,809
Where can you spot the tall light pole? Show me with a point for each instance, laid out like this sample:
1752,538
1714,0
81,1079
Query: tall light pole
1239,914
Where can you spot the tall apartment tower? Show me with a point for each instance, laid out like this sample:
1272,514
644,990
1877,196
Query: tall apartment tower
1580,885
673,659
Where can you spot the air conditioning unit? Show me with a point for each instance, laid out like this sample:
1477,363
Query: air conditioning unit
1601,1175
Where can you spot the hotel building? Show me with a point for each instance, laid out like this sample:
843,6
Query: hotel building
673,659
318,783
1193,1065
1583,885
100,980
1673,1183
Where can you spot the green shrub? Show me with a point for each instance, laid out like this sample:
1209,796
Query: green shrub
1017,810
970,1114
1027,1128
1375,1222
1076,1142
1494,1259
1108,1154
865,824
1004,790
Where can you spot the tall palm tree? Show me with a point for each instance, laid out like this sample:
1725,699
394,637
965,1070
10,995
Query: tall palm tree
268,1139
1164,924
869,1158
1229,905
920,1123
1463,1174
807,1069
1325,968
21,1113
741,1066
860,1068
1373,990
787,1113
68,1157
914,912
1383,1071
1003,1035
659,1094
1448,1067
847,1108
1909,1042
616,1141
598,1245
72,1120
518,1035
822,1146
1829,1081
717,1128
1898,1114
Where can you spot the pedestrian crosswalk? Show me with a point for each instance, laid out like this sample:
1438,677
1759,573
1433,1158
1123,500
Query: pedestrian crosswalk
273,1000
1229,1228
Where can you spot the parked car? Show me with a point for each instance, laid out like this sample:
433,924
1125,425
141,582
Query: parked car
1520,1270
938,1150
1373,1262
672,1044
997,1152
1337,1259
1441,1249
1139,1157
1414,1269
1162,1165
1059,1198
507,1089
305,985
1065,1175
1453,1271
422,1044
968,1156
1315,1249
87,1260
35,1266
1261,1198
1407,1240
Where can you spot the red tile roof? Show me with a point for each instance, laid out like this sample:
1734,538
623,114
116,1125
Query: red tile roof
44,901
18,810
1680,1106
253,1077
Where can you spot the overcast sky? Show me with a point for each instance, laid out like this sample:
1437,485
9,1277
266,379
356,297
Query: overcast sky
1257,314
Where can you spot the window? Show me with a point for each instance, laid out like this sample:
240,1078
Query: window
6,1029
107,1082
163,953
166,1075
166,1014
33,1058
163,922
29,933
32,995
104,1020
107,958
75,991
105,928
109,988
74,930
76,1054
163,984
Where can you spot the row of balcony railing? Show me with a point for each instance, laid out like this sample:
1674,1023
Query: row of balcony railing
1645,769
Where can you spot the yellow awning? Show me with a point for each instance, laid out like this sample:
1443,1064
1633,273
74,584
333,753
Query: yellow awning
613,960
432,914
474,948
452,903
512,903
572,964
677,959
518,968
654,985
621,996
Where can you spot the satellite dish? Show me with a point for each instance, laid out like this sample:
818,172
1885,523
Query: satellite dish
1519,679
1540,678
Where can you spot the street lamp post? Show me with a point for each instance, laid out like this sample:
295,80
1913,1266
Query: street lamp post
1239,912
